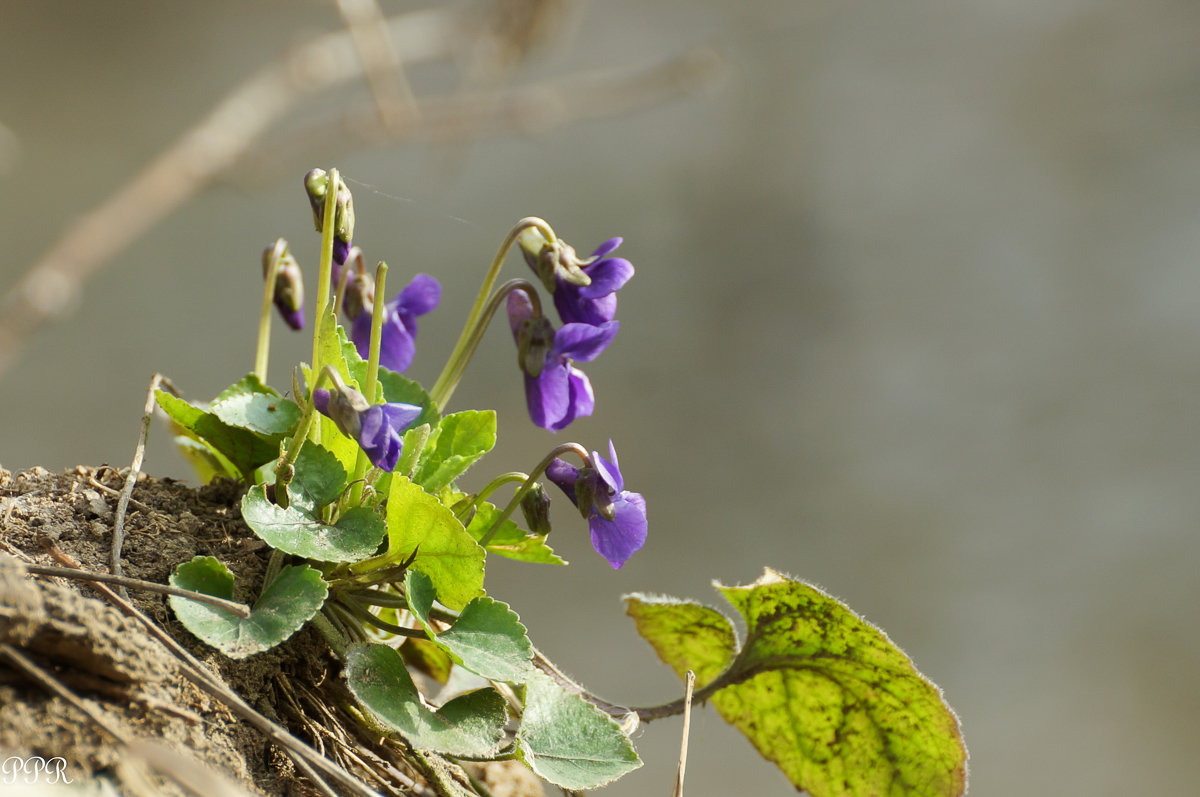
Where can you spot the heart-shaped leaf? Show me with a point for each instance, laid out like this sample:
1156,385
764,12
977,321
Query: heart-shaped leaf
570,742
457,442
487,638
298,531
416,521
819,691
296,594
243,449
470,725
249,404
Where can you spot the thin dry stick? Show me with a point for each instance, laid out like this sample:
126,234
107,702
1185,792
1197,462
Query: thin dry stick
196,672
393,94
117,494
139,453
534,108
687,722
51,287
240,609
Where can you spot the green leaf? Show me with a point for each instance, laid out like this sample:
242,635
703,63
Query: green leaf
511,541
319,479
244,450
487,638
686,635
570,742
416,521
205,460
333,347
819,691
284,607
298,531
457,442
471,725
249,404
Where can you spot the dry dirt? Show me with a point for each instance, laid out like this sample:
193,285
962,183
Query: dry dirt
110,661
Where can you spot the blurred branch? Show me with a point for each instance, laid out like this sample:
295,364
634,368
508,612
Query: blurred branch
382,66
535,109
52,286
376,48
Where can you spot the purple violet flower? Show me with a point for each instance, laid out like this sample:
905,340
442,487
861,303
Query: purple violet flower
585,290
615,516
556,392
379,428
397,343
595,303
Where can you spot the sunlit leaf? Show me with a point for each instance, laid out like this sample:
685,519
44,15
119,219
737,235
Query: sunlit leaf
570,742
418,522
296,594
487,638
456,443
819,691
470,725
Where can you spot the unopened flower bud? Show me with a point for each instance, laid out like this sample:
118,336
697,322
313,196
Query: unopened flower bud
535,506
289,285
360,295
344,405
316,185
534,334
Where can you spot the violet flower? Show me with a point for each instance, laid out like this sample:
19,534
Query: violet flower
585,290
398,337
615,516
378,428
595,303
556,392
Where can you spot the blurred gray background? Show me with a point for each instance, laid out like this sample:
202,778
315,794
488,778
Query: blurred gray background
915,318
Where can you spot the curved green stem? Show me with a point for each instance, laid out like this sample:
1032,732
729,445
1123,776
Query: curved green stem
481,325
530,480
444,386
263,349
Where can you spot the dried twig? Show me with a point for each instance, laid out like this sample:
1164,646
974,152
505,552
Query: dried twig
240,609
139,453
687,722
92,480
534,109
52,285
382,66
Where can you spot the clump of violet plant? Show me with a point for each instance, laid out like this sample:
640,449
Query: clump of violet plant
353,481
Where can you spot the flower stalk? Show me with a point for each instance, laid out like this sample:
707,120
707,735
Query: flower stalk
363,462
530,481
443,388
263,349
